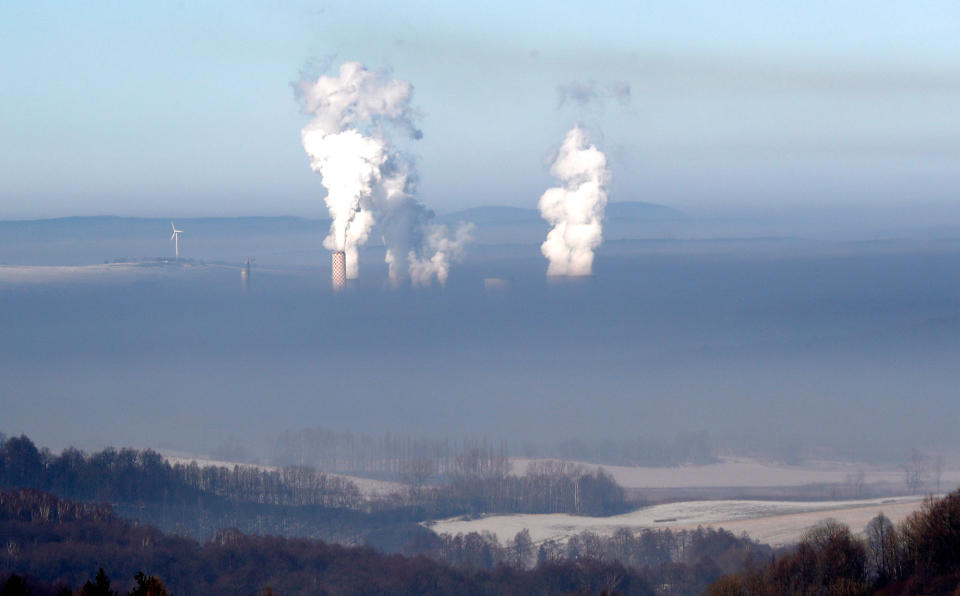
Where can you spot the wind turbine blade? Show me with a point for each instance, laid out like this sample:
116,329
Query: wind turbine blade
173,226
174,235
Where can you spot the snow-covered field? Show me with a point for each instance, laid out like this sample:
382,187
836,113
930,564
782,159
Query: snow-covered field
368,486
773,522
746,472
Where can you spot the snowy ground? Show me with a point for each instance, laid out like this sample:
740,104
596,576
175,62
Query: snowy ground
772,522
746,472
368,487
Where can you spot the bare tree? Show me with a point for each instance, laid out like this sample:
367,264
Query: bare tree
416,471
522,549
855,480
882,548
937,466
916,471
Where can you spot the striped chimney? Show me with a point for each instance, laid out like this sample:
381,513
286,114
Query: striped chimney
339,277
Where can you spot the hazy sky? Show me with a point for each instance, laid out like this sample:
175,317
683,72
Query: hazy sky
184,109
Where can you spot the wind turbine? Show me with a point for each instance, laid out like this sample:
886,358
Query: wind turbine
176,239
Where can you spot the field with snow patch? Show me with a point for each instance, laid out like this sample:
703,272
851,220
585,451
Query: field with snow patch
748,472
772,522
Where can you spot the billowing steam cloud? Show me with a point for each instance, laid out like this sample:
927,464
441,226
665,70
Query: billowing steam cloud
575,209
367,181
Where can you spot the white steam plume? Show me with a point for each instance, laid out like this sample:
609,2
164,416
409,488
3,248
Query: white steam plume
575,209
438,250
349,160
418,248
367,181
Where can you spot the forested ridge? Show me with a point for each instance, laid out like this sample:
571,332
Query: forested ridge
53,543
299,500
239,506
57,544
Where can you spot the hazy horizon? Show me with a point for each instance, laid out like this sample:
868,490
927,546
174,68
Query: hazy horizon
773,342
779,256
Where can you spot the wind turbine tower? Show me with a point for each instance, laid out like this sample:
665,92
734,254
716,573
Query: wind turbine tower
176,239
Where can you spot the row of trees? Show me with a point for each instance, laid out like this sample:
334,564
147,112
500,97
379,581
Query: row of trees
298,501
478,480
547,487
389,456
18,585
684,448
920,556
678,562
134,476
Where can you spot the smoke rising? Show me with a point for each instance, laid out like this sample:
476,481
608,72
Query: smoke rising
575,209
583,94
367,180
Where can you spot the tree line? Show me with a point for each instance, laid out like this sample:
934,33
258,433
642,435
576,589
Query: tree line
919,556
301,501
546,487
52,546
19,585
675,562
386,456
131,476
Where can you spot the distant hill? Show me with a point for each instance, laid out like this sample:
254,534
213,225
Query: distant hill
494,215
110,226
99,239
616,211
283,240
634,210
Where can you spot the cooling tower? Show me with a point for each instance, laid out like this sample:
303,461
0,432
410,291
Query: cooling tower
339,276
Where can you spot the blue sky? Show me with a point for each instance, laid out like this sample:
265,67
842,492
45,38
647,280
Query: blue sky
184,109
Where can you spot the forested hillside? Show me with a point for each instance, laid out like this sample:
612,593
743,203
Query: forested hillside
62,543
298,500
202,511
55,543
920,556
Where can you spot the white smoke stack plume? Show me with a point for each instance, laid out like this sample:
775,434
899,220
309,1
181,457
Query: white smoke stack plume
367,181
575,209
338,275
439,250
346,145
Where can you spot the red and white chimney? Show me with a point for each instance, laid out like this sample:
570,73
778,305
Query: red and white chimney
339,277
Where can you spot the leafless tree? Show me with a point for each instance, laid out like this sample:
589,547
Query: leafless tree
522,549
416,471
855,481
916,471
937,465
882,548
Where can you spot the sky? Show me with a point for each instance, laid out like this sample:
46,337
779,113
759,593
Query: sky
186,109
